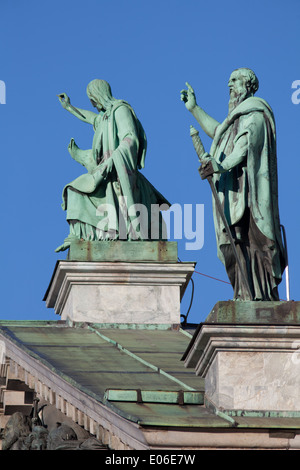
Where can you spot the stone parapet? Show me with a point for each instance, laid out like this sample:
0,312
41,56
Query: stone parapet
119,292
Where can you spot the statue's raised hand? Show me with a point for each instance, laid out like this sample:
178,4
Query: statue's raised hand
188,97
73,149
64,99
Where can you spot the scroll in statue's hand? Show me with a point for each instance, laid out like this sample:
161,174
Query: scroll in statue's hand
106,167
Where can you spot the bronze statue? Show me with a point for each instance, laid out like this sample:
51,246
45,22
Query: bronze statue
102,204
242,164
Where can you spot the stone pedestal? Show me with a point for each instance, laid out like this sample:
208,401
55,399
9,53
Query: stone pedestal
133,251
145,291
253,364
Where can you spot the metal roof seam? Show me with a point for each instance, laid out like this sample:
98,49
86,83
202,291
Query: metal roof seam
146,363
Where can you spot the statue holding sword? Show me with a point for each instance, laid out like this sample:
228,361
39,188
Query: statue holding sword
241,168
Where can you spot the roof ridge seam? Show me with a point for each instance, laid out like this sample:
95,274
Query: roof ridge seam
138,358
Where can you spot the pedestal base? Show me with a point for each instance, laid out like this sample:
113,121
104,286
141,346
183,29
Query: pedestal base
127,251
261,312
119,292
249,367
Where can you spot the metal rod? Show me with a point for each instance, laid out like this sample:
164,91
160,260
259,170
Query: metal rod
287,276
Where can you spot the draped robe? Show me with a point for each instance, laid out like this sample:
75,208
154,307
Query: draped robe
100,201
244,145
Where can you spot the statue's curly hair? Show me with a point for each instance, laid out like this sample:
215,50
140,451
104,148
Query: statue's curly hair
250,77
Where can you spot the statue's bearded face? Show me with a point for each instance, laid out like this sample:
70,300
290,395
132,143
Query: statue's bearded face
237,89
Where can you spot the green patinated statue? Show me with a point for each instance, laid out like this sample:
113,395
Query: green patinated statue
103,203
243,165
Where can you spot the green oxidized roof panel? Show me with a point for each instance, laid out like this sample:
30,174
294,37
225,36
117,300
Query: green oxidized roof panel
156,414
113,362
162,348
106,359
97,363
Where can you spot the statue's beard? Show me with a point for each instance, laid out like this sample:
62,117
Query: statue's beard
236,97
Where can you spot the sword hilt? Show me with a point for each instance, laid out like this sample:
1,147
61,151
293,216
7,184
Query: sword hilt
198,146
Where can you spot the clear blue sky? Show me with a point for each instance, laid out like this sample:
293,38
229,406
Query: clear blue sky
146,50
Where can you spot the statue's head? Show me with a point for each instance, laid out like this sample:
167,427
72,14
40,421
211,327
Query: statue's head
242,83
99,92
37,439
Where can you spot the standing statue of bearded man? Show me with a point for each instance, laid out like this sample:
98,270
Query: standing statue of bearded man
244,162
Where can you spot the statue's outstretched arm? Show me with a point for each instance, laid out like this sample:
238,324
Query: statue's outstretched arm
82,114
207,123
